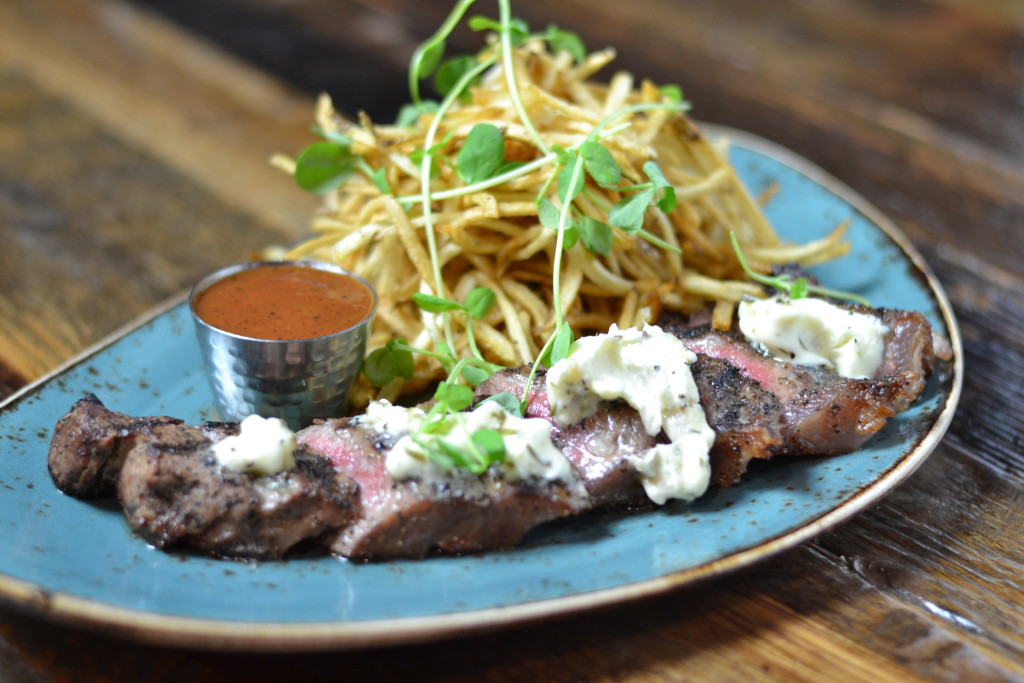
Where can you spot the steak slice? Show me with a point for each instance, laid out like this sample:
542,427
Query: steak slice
409,518
741,413
89,445
760,407
175,492
598,447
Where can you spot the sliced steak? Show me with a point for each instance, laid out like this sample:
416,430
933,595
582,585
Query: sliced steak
175,492
910,351
90,443
760,407
598,447
410,518
340,493
741,413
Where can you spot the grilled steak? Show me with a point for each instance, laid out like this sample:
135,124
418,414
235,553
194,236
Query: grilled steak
598,447
760,407
742,413
90,443
409,518
341,495
177,493
174,491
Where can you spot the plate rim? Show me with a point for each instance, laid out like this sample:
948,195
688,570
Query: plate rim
226,634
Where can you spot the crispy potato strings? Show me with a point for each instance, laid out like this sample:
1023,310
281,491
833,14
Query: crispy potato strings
494,237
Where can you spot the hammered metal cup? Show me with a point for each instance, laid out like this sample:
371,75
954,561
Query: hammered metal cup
296,380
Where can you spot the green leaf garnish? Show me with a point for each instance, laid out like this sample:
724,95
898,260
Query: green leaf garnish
482,154
667,201
392,360
455,396
600,163
595,235
427,56
324,166
451,72
568,41
517,28
410,113
628,214
474,375
479,301
550,217
559,348
435,304
491,443
672,93
508,401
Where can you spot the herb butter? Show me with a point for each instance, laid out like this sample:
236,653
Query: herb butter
814,332
262,446
529,451
650,370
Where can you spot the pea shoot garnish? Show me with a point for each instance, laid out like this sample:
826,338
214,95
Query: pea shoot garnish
794,288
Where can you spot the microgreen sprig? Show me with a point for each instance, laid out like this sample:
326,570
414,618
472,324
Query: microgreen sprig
428,55
794,288
394,359
325,166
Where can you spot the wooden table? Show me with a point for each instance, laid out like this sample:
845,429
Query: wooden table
134,140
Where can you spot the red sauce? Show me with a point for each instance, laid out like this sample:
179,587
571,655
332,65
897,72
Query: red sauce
285,302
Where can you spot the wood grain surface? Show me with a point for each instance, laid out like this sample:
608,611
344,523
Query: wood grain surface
134,139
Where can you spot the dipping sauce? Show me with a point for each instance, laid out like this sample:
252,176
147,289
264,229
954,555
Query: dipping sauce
285,301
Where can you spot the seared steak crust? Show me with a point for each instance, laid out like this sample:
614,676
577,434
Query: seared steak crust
175,492
742,414
90,443
409,518
760,407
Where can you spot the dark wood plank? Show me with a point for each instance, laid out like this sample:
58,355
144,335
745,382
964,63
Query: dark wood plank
105,182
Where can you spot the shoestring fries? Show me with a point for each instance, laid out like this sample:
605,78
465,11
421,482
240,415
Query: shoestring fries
494,236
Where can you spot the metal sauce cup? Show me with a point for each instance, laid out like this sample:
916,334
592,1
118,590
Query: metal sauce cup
297,380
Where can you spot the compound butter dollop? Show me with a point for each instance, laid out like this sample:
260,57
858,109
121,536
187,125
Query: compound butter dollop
650,370
814,332
529,451
262,446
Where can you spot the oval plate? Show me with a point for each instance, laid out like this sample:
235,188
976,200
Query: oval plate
78,562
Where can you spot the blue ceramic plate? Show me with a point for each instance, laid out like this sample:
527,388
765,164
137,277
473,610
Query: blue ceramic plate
78,561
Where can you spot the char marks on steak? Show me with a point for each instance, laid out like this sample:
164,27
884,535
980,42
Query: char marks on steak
760,407
409,518
174,491
90,443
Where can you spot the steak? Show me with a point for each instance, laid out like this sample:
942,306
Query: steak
178,494
90,443
598,447
409,518
760,407
341,496
175,492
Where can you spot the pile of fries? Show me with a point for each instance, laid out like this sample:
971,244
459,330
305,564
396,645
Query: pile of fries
494,238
